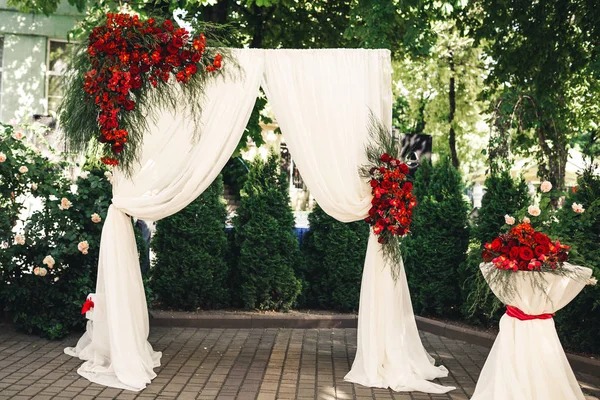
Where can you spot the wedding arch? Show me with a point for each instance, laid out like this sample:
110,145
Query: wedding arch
322,100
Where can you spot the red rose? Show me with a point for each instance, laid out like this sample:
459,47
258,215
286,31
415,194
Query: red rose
514,253
541,250
385,157
540,238
525,253
386,184
487,256
407,187
403,168
496,245
168,25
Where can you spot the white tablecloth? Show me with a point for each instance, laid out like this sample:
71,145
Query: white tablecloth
527,361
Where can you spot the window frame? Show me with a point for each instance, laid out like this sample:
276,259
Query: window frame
49,72
2,70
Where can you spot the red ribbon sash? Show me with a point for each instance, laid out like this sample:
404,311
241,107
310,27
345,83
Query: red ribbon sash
87,306
520,315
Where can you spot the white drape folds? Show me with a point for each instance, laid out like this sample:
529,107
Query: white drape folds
174,170
527,360
324,119
322,100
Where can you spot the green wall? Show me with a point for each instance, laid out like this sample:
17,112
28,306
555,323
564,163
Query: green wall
25,55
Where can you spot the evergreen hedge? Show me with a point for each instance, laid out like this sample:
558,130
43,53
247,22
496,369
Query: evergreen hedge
334,254
504,195
438,241
266,247
190,271
578,322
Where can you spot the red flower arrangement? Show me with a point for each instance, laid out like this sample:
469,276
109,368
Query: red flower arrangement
525,249
126,52
393,201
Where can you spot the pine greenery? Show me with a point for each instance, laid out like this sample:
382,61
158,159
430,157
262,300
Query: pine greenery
334,254
439,239
504,195
267,248
190,271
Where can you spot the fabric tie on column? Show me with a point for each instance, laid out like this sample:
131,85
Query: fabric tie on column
116,348
520,315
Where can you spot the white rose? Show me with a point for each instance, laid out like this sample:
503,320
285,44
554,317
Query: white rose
534,210
18,135
546,186
23,169
83,247
65,204
84,174
34,186
36,271
43,271
96,218
20,239
509,220
2,157
578,208
49,261
526,220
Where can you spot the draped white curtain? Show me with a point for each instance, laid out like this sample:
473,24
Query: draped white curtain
322,104
527,360
174,170
322,100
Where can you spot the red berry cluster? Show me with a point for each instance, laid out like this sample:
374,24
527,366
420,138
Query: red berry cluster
393,201
126,51
524,249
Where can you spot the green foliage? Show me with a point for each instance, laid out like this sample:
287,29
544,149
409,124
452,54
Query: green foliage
578,323
49,305
263,277
235,175
190,271
544,81
503,196
334,254
439,239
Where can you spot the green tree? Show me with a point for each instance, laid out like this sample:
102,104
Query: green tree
543,86
190,271
438,241
263,277
334,255
504,195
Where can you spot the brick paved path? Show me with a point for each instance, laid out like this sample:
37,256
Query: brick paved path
229,364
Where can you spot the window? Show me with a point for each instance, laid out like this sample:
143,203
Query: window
58,60
1,64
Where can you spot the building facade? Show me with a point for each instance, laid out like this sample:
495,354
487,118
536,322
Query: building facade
33,52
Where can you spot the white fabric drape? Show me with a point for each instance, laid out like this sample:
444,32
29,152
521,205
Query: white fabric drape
322,100
527,361
173,171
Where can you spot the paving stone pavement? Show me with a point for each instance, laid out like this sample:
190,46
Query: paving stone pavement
244,364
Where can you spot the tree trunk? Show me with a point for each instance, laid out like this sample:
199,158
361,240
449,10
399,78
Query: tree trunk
452,100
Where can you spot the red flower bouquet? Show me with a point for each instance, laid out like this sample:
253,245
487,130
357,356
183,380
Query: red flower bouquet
125,53
525,249
393,201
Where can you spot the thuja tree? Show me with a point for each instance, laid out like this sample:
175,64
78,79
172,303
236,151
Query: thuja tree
504,195
266,246
334,254
438,241
190,270
578,322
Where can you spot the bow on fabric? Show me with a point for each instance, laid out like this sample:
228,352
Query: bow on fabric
87,306
520,315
